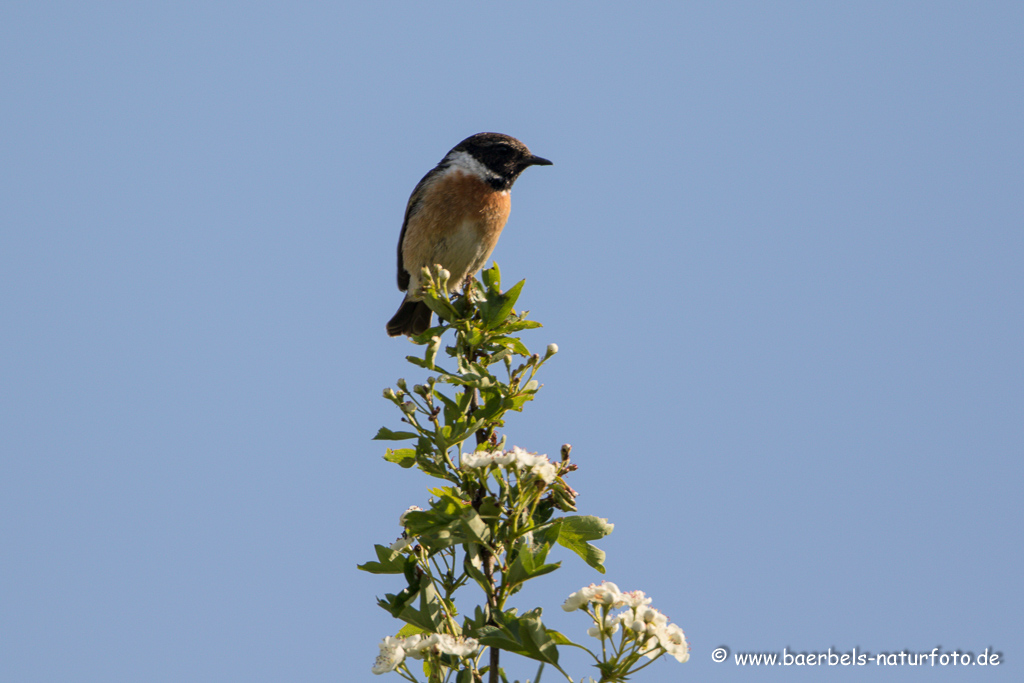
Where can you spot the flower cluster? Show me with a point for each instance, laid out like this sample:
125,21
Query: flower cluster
645,629
394,650
524,463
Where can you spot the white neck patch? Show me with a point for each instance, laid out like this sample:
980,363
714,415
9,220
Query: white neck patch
464,161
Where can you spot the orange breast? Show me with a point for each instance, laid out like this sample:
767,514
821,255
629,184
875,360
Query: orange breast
460,197
459,220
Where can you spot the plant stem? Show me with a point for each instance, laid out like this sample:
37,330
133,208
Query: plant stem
487,559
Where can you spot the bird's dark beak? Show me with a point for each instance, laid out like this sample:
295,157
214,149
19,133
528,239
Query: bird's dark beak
537,161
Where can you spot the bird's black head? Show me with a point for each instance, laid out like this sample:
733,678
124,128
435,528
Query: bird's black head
503,155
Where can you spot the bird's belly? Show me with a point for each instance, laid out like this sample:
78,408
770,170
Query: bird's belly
464,251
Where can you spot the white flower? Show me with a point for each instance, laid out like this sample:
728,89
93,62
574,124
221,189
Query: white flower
474,460
629,621
412,508
650,648
651,617
632,599
440,643
485,458
574,601
552,349
605,594
460,647
609,628
545,472
524,459
415,646
673,640
391,655
401,544
538,465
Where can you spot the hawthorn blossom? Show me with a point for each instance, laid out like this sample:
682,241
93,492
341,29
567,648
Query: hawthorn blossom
391,655
632,599
460,647
673,640
605,594
537,465
604,630
418,646
481,459
401,543
394,650
647,628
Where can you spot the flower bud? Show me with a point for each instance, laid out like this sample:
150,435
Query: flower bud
402,385
408,407
552,350
389,394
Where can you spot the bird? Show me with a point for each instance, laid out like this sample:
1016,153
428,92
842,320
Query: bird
454,218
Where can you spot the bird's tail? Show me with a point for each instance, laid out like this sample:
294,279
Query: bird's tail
412,318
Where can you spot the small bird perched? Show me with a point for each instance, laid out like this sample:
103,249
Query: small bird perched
454,218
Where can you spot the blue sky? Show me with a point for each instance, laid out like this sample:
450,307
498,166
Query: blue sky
780,250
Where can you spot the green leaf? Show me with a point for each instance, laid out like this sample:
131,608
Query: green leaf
443,307
442,525
442,437
454,410
527,565
473,337
513,343
518,325
385,434
404,457
419,362
573,533
430,357
517,402
389,561
490,509
410,630
524,636
470,565
491,405
559,638
495,310
428,616
476,528
492,277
